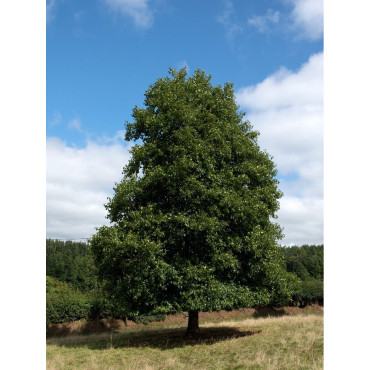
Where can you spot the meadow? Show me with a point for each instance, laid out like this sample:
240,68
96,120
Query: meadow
229,341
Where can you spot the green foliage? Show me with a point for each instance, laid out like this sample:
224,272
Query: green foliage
54,286
71,262
192,215
307,262
101,307
309,292
64,303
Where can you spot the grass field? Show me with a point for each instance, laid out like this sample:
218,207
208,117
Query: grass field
284,342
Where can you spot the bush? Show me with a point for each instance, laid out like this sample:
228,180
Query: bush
309,292
65,303
63,308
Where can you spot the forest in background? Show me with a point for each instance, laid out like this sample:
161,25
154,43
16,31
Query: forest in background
74,291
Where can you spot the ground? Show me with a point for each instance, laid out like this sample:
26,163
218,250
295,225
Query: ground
286,338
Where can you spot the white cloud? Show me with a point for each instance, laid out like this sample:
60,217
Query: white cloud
78,182
287,89
287,109
138,10
262,22
302,220
308,16
304,19
227,19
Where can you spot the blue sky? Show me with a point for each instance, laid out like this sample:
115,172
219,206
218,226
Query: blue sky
101,56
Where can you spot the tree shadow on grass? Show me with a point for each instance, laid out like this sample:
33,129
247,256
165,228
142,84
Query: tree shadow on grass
269,311
161,338
84,327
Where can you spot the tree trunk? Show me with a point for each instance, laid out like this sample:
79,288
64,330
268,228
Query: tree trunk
193,324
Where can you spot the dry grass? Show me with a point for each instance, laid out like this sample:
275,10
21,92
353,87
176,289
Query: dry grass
107,325
285,342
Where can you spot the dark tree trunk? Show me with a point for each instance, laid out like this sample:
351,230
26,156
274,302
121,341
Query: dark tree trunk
193,324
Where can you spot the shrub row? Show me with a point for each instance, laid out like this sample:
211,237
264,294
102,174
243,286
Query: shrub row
66,304
309,292
65,308
60,309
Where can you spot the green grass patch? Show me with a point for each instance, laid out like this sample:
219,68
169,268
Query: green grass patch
286,342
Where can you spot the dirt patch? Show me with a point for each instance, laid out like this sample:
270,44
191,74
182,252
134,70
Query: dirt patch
224,315
88,327
243,313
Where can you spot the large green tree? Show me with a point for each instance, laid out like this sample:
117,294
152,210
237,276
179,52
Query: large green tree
192,217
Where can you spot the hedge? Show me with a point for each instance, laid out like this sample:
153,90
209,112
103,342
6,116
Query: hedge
309,292
64,303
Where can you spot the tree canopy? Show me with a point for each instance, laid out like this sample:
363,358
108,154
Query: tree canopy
192,219
305,261
71,262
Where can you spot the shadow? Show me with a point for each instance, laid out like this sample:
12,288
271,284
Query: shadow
161,338
269,311
84,327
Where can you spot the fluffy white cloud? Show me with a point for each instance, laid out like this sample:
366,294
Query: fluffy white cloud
287,89
307,16
287,109
138,10
302,220
78,182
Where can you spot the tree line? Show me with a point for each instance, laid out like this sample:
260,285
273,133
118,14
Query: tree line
74,292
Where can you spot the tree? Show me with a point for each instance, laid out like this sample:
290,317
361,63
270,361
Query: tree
307,262
191,219
71,262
